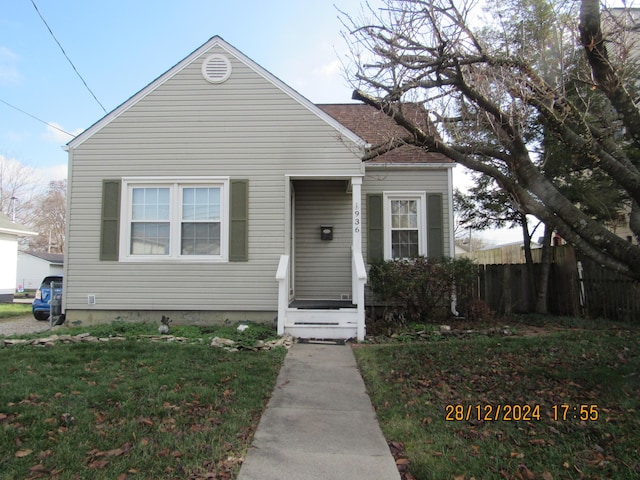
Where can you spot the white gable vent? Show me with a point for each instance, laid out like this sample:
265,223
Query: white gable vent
216,68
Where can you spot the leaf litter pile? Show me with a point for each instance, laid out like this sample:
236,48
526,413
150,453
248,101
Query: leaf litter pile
130,410
438,402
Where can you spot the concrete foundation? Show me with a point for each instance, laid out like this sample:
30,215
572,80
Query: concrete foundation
178,317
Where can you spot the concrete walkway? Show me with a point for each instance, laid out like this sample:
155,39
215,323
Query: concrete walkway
319,423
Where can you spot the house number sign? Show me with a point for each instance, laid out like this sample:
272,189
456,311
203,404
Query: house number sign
356,218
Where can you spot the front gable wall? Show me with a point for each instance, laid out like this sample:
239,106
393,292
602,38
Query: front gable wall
244,128
188,122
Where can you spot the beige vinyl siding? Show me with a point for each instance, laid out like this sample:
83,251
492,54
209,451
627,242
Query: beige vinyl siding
322,267
396,179
245,128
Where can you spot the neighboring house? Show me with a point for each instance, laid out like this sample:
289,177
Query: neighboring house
622,31
34,266
461,250
508,253
9,233
218,193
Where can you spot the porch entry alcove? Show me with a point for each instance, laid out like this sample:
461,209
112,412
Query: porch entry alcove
322,274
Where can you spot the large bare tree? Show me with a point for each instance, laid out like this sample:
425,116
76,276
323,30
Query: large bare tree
48,218
17,188
493,102
22,199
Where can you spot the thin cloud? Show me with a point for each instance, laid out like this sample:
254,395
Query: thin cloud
55,133
56,172
9,73
8,54
329,69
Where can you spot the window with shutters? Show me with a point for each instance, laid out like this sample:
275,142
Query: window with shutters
404,225
184,219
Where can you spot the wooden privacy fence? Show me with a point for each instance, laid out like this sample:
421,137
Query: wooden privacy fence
577,287
608,294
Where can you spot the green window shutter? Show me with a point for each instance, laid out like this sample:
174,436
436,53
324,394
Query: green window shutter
435,230
238,221
110,220
375,228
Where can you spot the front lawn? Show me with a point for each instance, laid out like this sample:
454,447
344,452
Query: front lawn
510,407
8,310
131,408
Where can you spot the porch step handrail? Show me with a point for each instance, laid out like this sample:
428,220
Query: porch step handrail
359,279
282,276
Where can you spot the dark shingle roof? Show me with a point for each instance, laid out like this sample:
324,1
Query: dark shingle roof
49,257
376,128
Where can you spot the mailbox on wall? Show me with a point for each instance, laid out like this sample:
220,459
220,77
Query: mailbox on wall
326,232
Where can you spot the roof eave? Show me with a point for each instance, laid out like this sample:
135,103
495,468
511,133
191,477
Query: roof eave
17,232
415,165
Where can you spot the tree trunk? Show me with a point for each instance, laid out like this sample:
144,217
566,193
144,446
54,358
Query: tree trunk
603,72
545,268
528,257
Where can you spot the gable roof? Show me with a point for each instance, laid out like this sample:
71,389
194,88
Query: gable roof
377,128
12,228
55,258
215,41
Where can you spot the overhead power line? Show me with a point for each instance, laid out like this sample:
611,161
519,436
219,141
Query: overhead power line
36,118
67,57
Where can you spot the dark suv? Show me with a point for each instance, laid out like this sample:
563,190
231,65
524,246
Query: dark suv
41,306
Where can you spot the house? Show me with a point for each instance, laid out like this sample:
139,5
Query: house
34,266
461,250
9,233
507,253
218,193
621,26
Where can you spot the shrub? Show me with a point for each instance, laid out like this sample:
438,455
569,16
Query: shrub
420,290
477,310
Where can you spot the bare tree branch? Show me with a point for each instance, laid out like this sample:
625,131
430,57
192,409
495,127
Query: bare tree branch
496,106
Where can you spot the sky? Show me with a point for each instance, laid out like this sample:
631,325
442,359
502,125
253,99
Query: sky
120,46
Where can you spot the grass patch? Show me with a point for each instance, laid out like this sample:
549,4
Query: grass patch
8,310
130,409
414,386
25,294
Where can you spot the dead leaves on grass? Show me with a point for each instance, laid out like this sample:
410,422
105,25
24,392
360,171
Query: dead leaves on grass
541,374
186,417
115,452
523,473
402,462
221,470
39,470
23,453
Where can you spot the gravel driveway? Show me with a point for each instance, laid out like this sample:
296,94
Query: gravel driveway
21,325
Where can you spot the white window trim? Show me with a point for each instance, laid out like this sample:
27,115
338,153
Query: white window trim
175,184
422,224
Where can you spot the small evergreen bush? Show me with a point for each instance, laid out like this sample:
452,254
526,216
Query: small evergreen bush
419,290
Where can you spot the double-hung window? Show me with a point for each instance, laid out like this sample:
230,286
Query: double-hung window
404,229
150,221
200,222
182,219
